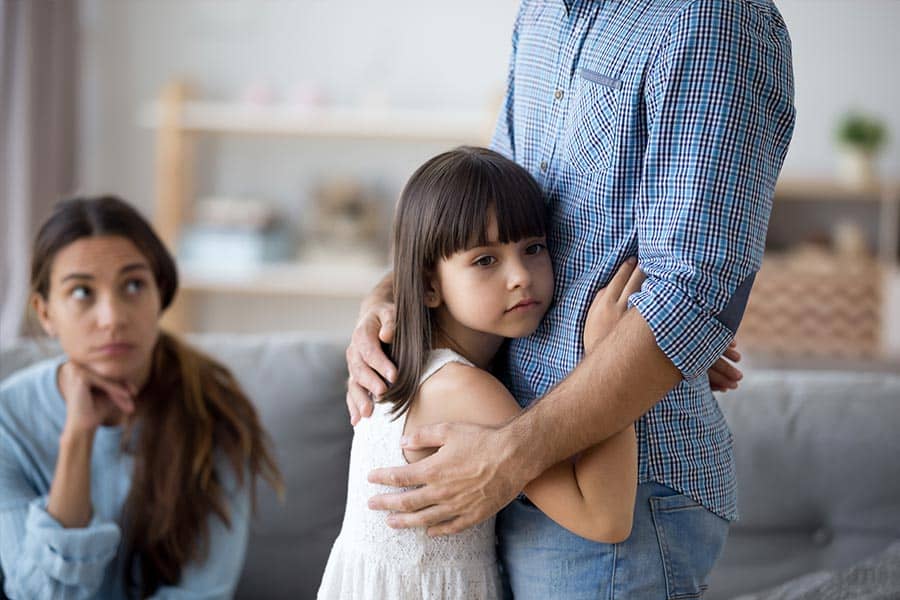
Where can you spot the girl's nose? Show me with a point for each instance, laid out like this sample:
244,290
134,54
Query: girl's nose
519,275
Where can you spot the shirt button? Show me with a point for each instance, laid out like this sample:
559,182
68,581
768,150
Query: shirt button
544,166
558,95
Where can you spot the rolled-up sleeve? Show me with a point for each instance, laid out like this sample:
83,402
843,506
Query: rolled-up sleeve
43,559
720,114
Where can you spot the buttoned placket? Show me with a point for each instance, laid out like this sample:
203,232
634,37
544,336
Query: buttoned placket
579,18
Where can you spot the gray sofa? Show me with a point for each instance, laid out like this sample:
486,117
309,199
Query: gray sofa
818,457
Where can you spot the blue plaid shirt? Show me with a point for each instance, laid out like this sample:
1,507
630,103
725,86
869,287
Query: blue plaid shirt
656,128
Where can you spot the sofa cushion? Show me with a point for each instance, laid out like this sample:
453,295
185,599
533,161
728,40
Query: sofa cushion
818,477
297,383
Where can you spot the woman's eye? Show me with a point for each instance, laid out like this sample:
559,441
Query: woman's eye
133,286
535,248
80,292
485,261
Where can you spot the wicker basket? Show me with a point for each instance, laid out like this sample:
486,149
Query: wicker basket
814,305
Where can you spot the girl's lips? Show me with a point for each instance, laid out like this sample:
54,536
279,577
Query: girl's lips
523,305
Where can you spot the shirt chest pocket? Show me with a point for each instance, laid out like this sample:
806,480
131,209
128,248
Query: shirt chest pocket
592,123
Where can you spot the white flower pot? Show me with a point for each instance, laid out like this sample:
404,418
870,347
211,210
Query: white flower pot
856,169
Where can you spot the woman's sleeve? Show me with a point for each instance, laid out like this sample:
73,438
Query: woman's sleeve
41,558
217,576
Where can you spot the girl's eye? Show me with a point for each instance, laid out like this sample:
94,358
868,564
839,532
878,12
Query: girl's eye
484,261
133,286
536,248
80,292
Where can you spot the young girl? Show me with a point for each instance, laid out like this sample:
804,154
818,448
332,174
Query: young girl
471,269
127,465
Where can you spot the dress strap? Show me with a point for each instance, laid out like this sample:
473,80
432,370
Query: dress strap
439,357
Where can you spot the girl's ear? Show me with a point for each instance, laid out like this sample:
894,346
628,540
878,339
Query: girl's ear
41,309
432,292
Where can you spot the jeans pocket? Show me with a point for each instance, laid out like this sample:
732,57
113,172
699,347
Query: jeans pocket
591,124
690,540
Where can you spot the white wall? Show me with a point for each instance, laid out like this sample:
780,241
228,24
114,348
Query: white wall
418,53
846,55
414,53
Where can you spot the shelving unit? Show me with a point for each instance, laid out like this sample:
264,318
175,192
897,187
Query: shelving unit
821,306
180,120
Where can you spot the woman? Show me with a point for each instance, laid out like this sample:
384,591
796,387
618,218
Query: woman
127,465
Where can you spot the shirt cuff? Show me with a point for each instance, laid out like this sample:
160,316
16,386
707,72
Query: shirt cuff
73,556
687,334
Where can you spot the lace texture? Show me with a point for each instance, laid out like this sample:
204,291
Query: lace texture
371,560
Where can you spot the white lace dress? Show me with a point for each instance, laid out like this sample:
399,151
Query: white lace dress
369,560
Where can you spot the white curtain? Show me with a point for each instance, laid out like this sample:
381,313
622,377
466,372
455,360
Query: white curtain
38,91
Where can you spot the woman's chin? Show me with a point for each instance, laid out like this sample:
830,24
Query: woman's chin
118,369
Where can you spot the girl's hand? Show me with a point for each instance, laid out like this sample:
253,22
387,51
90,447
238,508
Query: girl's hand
611,303
723,375
92,400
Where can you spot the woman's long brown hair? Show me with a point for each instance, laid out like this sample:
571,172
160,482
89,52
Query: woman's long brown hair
196,437
445,208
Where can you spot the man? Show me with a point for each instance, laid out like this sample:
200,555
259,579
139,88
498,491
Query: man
656,128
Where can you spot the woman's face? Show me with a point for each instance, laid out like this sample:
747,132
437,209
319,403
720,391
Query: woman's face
103,305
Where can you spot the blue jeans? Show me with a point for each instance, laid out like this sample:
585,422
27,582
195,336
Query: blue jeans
672,548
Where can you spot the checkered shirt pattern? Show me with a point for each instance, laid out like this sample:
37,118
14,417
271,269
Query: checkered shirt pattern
656,128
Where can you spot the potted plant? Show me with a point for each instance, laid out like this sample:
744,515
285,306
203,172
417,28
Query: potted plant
859,137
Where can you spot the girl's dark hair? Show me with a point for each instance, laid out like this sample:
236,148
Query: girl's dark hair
192,417
445,208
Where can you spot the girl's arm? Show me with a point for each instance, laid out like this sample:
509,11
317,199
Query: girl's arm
591,495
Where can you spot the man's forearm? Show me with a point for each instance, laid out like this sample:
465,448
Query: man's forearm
625,376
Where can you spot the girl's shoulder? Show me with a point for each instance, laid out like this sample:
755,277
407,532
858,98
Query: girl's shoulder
461,392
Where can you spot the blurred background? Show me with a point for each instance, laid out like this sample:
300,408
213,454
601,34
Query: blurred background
268,141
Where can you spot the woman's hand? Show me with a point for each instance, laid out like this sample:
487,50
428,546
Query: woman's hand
611,303
92,400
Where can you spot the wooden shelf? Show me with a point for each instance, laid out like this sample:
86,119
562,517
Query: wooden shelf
336,122
824,190
293,279
179,120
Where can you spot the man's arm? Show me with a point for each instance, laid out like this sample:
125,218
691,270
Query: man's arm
598,399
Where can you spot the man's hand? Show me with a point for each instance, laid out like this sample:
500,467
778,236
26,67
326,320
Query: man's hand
475,473
368,365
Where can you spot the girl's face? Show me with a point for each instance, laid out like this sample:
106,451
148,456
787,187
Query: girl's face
103,304
484,294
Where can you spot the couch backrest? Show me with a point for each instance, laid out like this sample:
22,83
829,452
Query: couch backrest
818,474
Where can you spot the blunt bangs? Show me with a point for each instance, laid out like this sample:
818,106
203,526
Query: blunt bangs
473,183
